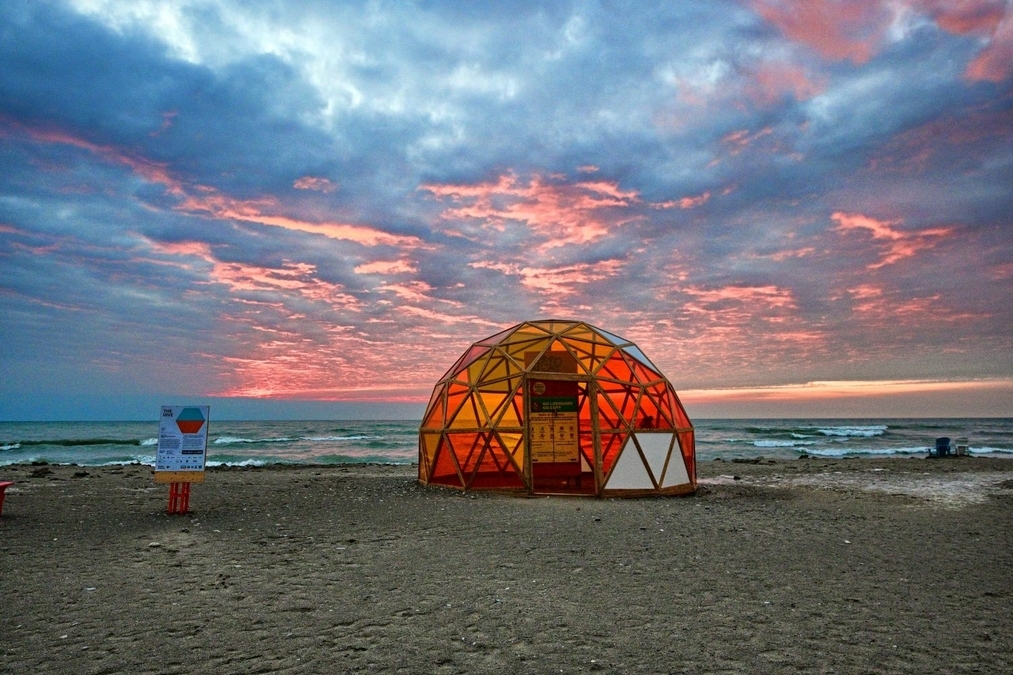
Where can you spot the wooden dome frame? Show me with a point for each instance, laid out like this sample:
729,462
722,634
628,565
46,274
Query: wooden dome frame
557,407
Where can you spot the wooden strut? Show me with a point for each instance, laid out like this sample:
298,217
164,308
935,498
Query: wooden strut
179,498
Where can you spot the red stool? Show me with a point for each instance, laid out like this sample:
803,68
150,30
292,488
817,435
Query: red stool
3,489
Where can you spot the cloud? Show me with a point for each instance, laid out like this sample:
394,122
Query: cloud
329,200
897,244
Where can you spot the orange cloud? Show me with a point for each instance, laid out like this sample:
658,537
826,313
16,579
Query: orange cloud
818,390
899,244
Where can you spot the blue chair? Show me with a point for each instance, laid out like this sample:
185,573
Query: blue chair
942,446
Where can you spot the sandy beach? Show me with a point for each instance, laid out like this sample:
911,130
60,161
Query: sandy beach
814,566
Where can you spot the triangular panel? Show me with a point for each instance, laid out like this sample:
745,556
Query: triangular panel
676,473
655,448
629,472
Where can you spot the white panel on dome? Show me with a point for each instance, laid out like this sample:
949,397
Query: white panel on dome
629,472
655,447
676,474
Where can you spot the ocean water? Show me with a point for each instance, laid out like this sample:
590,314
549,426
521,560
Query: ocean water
396,442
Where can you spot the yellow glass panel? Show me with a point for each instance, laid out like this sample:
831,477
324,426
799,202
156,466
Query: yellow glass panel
502,335
514,444
525,333
518,348
577,331
490,402
477,367
511,414
430,442
466,415
499,369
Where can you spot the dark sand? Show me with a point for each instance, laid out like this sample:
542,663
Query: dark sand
890,566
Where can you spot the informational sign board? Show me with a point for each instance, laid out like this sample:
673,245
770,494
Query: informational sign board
552,425
182,444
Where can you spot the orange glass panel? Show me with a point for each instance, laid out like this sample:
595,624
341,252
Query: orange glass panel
525,333
594,354
661,396
495,468
645,375
608,416
681,418
616,368
687,445
444,471
469,449
624,398
648,414
554,327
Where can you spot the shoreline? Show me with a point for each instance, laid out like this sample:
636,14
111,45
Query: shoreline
805,565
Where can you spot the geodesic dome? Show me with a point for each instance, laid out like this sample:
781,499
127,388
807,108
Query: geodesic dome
557,407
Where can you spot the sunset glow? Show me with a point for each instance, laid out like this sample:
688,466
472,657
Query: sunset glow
793,206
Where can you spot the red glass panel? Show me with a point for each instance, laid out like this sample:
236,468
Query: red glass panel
611,444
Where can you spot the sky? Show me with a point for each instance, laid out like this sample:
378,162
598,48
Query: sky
795,208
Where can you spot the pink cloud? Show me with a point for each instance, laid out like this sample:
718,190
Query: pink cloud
561,213
837,30
737,141
879,307
897,244
314,183
768,296
386,267
558,281
291,279
991,19
995,62
771,81
685,202
856,30
202,199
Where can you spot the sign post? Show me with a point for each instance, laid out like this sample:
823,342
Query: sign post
182,451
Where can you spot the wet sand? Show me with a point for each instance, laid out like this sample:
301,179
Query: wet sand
813,566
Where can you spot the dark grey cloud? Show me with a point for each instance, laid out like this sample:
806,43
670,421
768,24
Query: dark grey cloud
271,186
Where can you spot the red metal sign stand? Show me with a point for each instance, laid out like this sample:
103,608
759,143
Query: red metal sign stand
179,498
